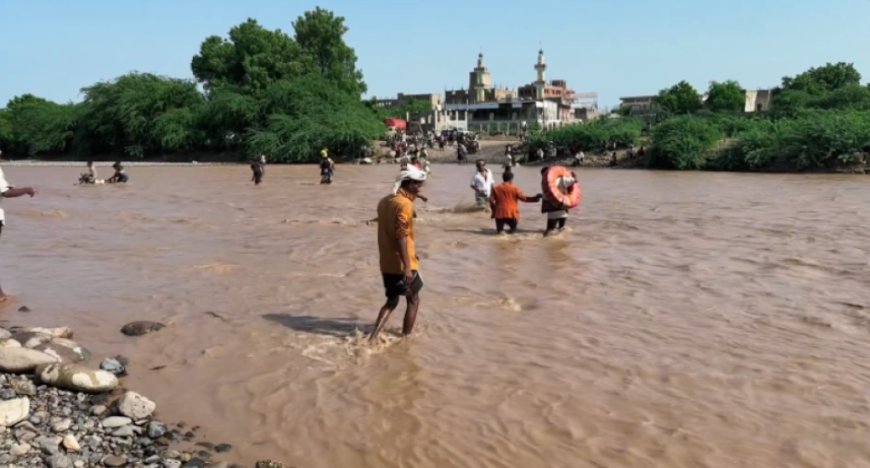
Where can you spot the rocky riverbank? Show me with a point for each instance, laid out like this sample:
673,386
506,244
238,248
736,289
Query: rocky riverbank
58,411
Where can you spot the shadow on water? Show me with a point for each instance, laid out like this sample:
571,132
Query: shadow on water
338,327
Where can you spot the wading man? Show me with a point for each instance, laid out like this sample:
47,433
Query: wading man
398,258
7,191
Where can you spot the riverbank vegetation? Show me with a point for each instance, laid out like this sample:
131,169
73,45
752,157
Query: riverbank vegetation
818,120
255,91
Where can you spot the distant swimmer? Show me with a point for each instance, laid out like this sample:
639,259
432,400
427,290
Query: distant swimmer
400,267
327,167
8,191
482,183
120,175
503,202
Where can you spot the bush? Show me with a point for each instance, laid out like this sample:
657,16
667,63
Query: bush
683,143
592,136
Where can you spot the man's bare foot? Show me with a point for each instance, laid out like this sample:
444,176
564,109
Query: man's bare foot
5,299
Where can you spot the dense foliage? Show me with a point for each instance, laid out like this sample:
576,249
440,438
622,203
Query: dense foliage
820,119
594,136
264,92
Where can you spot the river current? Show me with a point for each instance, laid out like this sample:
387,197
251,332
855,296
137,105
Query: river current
682,319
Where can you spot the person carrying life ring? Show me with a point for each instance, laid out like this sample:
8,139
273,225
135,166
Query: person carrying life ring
561,192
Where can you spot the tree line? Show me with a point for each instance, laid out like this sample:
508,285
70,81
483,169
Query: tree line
255,91
819,119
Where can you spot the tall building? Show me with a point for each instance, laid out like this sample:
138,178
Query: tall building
542,103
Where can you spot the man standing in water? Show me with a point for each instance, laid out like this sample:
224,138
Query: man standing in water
327,167
398,258
482,183
7,191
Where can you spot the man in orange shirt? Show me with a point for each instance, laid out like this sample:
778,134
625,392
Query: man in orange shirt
503,202
398,258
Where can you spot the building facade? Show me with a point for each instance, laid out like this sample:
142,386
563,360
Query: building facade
541,103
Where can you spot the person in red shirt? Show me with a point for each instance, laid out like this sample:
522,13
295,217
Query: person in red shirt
503,202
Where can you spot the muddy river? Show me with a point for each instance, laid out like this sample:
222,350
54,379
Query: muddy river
682,319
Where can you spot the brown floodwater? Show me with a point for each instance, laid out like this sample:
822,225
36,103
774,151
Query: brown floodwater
683,319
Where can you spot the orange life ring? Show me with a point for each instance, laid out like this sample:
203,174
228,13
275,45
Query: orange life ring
553,179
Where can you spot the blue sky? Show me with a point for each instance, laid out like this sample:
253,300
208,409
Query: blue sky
52,48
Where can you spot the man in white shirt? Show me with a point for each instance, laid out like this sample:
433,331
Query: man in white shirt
482,183
7,191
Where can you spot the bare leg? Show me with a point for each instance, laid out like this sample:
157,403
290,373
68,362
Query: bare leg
3,296
411,314
384,316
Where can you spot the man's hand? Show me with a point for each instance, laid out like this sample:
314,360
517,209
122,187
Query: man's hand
408,279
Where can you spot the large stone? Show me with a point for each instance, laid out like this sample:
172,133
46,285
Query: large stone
59,332
14,411
32,339
9,343
141,328
23,359
116,421
77,378
63,353
135,406
114,366
4,334
70,348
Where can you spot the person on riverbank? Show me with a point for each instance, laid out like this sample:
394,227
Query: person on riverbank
120,175
8,191
327,167
482,183
398,258
557,214
503,202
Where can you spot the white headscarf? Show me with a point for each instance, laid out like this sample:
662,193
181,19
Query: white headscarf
409,173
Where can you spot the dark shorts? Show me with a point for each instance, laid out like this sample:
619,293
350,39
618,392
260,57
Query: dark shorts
501,222
394,285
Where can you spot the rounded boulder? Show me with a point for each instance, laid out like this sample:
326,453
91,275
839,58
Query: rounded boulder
23,359
77,378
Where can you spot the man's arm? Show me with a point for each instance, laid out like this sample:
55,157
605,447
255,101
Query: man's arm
403,231
18,192
523,197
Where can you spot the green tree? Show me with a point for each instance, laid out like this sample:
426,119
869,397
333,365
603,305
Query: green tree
684,142
38,126
306,114
818,80
320,34
681,98
139,113
250,59
727,96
